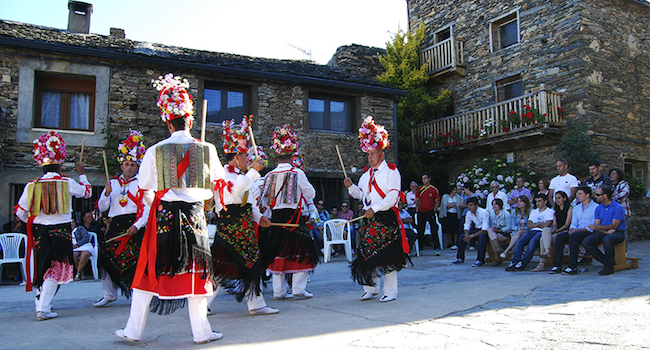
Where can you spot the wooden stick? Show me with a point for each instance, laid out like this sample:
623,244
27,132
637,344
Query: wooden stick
117,237
341,159
82,150
106,166
204,115
350,221
283,225
250,131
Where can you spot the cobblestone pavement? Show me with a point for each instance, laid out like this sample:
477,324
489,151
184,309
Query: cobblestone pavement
439,307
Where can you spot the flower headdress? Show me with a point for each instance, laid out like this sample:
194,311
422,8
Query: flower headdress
251,156
298,161
174,100
284,140
132,148
235,136
372,136
49,149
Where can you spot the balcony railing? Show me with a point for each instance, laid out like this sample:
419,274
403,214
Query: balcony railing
445,56
540,109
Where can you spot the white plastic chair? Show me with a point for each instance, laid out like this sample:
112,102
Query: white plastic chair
10,243
212,231
337,231
93,257
427,229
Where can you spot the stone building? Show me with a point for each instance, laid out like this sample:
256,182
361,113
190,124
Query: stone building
96,87
591,58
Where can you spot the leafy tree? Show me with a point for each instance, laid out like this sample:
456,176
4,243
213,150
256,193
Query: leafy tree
403,70
576,147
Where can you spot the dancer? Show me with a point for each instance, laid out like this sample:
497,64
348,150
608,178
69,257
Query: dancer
235,251
175,262
286,190
128,216
383,247
46,207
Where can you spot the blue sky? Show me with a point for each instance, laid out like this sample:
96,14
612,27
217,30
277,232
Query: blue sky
261,28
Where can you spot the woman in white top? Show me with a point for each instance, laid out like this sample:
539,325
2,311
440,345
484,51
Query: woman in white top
539,219
450,214
500,228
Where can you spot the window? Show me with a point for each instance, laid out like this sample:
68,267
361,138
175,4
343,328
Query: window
509,87
330,113
64,101
504,31
226,102
443,34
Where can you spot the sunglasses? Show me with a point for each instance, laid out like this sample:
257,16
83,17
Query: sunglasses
598,194
344,206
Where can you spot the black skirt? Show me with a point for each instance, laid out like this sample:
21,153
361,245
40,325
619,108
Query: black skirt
119,260
51,243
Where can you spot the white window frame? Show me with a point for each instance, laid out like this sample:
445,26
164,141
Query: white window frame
25,130
493,47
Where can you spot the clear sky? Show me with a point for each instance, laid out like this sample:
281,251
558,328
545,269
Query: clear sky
260,28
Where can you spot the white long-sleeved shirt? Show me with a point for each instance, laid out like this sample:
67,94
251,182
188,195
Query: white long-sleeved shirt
112,201
240,184
481,219
148,179
389,180
304,187
79,190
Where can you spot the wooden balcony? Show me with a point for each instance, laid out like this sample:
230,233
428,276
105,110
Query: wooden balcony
445,57
496,123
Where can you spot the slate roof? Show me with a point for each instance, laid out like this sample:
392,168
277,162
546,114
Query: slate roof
29,35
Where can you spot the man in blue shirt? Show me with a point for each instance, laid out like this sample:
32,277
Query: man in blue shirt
583,216
609,229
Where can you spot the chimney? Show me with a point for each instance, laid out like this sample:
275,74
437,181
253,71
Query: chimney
117,33
79,16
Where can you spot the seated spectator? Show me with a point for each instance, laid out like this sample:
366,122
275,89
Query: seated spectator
82,249
519,223
450,214
500,228
539,219
347,214
518,192
477,222
334,212
465,193
496,193
407,220
411,198
609,229
561,223
14,226
582,216
323,215
621,191
597,178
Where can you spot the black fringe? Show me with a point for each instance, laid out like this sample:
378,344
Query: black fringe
166,306
51,243
121,277
391,258
291,242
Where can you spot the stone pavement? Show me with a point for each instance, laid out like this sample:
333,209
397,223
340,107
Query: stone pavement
439,307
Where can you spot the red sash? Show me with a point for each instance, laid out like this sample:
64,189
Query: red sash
405,245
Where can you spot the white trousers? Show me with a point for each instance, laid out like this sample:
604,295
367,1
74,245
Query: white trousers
44,302
252,300
197,308
110,289
298,283
390,285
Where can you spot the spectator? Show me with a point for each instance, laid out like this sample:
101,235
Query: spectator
347,214
518,192
14,226
621,191
609,229
323,216
542,184
561,223
597,179
496,193
82,249
539,219
407,220
334,212
582,216
477,222
450,214
563,181
411,198
519,223
500,228
428,200
465,194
